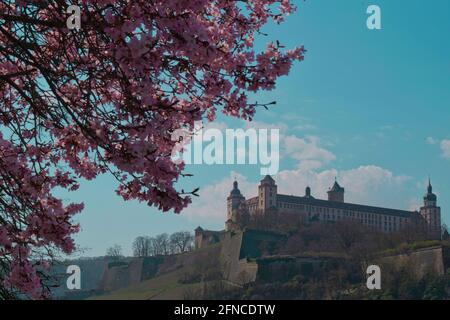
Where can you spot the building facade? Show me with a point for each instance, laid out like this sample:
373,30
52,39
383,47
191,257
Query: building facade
333,209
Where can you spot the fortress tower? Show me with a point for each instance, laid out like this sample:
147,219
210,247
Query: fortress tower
431,213
267,191
336,193
234,200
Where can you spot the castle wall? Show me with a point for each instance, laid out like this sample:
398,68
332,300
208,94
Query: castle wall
236,269
204,238
432,259
283,268
123,274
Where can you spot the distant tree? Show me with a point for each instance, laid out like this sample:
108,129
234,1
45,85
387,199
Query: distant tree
115,251
161,244
143,246
181,241
445,233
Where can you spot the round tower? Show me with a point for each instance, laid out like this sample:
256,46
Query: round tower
234,200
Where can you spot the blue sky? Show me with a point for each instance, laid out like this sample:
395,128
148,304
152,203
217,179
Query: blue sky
370,107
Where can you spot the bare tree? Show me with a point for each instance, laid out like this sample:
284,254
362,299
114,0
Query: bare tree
181,241
143,246
115,251
349,233
445,233
161,244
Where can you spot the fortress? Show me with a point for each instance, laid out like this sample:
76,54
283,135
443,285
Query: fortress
307,208
247,252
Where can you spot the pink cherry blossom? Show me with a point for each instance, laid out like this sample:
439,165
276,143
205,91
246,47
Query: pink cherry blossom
107,98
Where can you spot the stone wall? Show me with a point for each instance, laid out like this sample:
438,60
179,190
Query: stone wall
121,274
239,251
432,259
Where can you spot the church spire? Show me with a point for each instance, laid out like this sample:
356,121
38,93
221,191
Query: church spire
429,198
235,191
430,187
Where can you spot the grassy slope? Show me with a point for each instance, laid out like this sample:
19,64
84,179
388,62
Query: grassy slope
163,287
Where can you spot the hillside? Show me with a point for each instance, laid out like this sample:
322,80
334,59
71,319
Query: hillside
416,272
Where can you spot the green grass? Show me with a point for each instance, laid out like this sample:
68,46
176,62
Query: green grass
410,247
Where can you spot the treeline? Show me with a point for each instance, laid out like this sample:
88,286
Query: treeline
163,244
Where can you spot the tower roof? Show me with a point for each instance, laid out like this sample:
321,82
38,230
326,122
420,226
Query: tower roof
268,178
336,187
235,191
430,196
308,192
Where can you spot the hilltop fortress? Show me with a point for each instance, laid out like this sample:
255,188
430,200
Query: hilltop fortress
307,208
275,252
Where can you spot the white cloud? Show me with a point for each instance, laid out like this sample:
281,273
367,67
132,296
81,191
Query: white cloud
307,151
263,125
211,205
414,204
431,140
215,125
368,184
445,147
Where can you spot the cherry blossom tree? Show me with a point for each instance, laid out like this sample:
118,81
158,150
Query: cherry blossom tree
106,98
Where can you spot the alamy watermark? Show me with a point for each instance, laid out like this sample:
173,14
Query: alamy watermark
74,279
73,22
374,20
213,146
374,277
